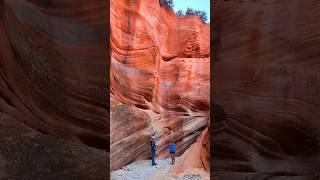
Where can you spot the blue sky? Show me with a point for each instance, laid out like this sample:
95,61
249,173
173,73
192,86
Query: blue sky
203,5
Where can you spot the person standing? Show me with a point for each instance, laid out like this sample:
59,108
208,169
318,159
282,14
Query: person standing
153,150
172,150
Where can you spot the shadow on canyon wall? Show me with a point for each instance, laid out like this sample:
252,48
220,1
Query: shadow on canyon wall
265,86
53,102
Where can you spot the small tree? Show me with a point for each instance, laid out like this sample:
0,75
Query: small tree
167,3
201,14
180,13
190,12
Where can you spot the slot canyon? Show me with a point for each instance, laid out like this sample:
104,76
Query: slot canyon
159,83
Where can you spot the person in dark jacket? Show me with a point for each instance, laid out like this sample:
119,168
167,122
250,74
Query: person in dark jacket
153,150
172,151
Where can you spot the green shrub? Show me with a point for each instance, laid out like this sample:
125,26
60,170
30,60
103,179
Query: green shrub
180,13
191,12
167,3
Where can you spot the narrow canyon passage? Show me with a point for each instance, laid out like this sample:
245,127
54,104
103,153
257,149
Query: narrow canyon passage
159,82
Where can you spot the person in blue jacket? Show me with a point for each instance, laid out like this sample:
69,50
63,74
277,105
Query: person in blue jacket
153,150
172,150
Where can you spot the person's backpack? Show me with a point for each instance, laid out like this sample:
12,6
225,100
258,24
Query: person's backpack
172,148
153,145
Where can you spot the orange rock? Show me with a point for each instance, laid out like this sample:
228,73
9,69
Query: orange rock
160,63
196,158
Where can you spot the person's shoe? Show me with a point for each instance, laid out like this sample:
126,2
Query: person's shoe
154,164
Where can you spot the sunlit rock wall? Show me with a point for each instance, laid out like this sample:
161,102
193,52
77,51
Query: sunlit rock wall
160,72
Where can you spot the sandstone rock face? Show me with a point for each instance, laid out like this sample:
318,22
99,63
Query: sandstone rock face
27,154
52,79
197,157
159,72
52,64
266,89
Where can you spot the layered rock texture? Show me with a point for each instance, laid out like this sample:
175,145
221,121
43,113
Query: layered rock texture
266,90
28,154
52,86
159,79
194,158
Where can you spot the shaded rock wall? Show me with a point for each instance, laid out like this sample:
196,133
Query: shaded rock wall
52,89
27,154
160,65
52,66
266,89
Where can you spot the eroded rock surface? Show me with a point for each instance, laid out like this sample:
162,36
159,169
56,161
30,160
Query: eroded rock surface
160,65
53,80
27,154
266,89
195,158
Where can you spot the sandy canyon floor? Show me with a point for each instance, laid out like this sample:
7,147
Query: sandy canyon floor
142,170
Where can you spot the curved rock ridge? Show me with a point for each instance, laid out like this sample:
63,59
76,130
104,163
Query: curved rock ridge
53,71
27,154
154,52
52,59
159,73
197,157
266,89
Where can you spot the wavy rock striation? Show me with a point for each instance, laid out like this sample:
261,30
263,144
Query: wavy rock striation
27,154
53,74
266,89
195,158
159,76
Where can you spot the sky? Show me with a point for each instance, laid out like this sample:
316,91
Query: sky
203,5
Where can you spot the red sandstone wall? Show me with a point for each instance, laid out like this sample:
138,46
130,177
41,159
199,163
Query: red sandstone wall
159,76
